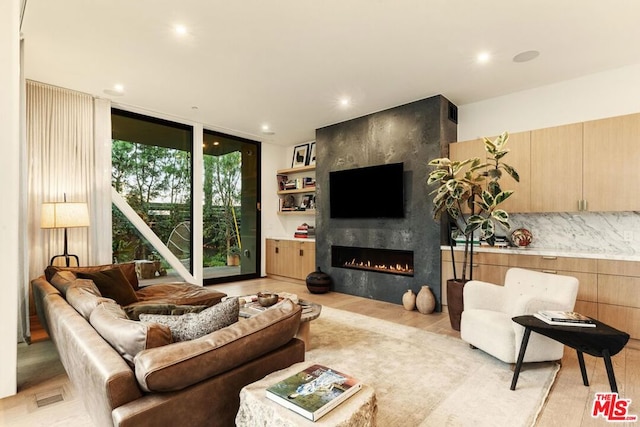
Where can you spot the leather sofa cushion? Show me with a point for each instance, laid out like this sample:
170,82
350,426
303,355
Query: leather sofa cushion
83,295
61,280
179,294
113,284
128,268
194,325
128,337
179,365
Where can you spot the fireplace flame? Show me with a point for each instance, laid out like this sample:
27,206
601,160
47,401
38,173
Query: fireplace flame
366,265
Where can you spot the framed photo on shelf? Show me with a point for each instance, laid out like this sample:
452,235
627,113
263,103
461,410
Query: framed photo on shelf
311,159
300,153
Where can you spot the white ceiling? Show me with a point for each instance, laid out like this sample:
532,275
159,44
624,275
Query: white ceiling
286,63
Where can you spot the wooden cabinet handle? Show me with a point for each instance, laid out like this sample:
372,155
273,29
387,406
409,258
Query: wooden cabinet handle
277,250
550,271
550,257
301,252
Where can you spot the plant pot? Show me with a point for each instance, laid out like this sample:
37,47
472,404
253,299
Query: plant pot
455,303
233,260
318,282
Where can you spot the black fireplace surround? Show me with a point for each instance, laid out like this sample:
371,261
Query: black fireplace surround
411,134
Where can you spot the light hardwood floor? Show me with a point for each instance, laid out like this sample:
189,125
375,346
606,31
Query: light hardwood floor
569,403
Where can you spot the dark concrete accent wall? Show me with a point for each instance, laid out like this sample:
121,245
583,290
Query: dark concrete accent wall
413,134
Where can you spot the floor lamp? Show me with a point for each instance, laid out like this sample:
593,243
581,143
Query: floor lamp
64,215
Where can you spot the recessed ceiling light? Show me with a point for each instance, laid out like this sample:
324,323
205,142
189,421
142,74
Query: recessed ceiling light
180,30
216,142
118,90
483,57
266,129
528,55
344,101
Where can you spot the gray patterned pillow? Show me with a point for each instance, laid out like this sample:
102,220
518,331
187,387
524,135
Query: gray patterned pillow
194,325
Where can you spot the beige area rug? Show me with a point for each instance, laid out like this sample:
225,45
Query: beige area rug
425,379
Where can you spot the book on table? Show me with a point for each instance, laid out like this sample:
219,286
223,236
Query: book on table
314,391
564,318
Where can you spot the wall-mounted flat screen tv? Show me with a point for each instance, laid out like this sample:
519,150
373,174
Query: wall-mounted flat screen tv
369,192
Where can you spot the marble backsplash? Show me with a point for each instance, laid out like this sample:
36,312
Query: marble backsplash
616,233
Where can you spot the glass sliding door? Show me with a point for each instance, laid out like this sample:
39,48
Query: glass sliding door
152,174
231,171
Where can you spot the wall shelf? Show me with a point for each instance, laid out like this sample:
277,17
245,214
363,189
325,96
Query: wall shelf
307,212
296,170
298,190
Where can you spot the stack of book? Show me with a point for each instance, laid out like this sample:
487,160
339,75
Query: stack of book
305,231
308,182
565,318
314,391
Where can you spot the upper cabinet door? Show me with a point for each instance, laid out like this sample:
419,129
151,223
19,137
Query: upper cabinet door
518,158
519,146
556,168
612,164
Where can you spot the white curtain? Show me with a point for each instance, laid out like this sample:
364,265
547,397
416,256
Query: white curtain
68,152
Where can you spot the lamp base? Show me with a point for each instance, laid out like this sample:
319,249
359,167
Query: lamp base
67,258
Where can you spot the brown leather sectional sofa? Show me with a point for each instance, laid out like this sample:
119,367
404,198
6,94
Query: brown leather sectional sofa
189,383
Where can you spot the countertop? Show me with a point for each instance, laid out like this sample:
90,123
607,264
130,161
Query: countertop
291,238
549,252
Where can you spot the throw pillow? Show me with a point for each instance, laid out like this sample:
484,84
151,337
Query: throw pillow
61,280
135,310
113,284
194,325
83,295
128,268
128,337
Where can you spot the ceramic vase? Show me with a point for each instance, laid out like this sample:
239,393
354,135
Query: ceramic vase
425,301
409,300
319,282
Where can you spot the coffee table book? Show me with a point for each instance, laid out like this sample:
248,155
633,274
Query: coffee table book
554,318
314,391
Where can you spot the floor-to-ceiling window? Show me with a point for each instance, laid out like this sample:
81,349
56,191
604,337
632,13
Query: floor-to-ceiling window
153,211
230,207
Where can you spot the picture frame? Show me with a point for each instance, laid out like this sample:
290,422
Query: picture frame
300,154
311,159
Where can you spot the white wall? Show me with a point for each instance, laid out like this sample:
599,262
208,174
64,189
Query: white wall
606,94
9,167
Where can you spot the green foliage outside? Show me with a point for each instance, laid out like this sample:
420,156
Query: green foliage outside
156,182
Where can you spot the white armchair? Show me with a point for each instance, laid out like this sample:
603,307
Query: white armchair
486,320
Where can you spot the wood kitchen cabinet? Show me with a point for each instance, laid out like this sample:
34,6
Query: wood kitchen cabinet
619,295
556,171
590,166
611,158
519,151
290,258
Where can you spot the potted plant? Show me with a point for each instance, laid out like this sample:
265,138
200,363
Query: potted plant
476,185
233,256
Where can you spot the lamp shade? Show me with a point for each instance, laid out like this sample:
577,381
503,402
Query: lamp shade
64,215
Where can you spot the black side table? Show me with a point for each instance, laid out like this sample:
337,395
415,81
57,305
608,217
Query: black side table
601,341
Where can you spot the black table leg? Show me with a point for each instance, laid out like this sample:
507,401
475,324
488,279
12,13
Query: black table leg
523,349
610,374
583,370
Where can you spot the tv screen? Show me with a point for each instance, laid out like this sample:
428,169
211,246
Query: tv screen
369,192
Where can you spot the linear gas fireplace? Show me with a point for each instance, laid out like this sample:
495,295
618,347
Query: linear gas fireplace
390,261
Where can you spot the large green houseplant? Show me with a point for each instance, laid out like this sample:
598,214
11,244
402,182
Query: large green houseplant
473,183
